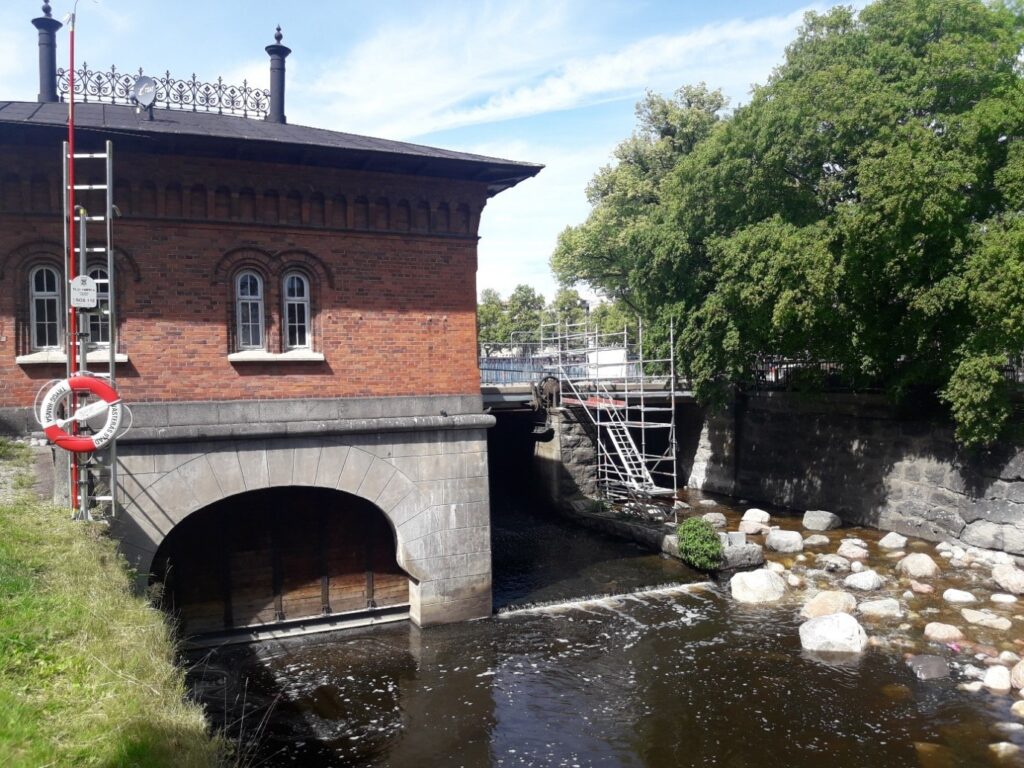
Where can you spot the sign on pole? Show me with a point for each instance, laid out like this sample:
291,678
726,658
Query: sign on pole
83,292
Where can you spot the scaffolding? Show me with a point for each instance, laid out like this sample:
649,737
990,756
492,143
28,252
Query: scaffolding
94,476
629,401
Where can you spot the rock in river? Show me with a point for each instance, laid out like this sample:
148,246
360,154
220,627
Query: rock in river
938,632
958,596
985,619
753,528
833,563
885,608
865,581
921,589
852,551
892,540
928,666
816,540
785,541
834,633
717,519
1017,675
828,602
820,520
755,515
997,679
760,586
917,566
1009,578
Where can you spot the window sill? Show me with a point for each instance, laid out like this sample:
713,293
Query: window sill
57,357
261,356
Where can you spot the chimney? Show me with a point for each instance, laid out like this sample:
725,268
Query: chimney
47,27
278,53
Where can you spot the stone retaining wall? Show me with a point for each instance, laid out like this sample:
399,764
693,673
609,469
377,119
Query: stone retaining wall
856,456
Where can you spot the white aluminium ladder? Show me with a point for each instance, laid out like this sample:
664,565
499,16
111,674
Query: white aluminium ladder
627,398
96,479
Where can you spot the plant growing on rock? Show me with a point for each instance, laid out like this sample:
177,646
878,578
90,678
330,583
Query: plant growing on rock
699,545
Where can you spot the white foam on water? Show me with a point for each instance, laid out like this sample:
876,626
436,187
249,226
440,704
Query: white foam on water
608,602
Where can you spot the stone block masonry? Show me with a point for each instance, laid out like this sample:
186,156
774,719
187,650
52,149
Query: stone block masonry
856,456
426,473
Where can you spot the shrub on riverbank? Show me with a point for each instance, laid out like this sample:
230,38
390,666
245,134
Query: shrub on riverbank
86,669
699,545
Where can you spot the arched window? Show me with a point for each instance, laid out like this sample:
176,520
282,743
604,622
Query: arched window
295,292
249,310
99,318
45,308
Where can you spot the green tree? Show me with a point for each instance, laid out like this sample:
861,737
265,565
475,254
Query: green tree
865,207
566,307
524,307
491,318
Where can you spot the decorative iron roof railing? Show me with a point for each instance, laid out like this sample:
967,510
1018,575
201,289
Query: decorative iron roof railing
192,95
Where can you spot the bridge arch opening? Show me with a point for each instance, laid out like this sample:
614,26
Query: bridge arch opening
288,559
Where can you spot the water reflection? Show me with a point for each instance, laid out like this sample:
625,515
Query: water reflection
679,677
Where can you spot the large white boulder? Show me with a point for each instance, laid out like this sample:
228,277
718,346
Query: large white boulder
760,586
892,540
828,602
917,566
820,520
755,515
1010,578
753,528
865,581
785,541
834,633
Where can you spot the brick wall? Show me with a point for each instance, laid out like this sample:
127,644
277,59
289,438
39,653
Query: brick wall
391,261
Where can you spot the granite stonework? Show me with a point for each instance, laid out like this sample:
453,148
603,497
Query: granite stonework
566,462
856,456
421,460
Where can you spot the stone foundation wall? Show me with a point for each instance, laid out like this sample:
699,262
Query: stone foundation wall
856,456
566,465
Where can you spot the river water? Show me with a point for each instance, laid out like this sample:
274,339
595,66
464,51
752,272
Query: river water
672,676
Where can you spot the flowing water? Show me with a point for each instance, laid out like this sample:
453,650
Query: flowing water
670,672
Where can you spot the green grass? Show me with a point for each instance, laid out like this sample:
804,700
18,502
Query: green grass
87,676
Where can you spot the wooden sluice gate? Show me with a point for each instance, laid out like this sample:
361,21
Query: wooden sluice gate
281,560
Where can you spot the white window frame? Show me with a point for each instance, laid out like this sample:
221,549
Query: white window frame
97,314
240,302
55,296
302,302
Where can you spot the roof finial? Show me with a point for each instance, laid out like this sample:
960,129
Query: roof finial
278,35
46,10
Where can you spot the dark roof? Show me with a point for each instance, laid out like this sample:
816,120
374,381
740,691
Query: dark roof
228,136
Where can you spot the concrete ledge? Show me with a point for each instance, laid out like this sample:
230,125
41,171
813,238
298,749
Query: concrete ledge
262,356
57,357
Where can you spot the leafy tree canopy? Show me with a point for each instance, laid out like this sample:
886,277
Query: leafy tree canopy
865,208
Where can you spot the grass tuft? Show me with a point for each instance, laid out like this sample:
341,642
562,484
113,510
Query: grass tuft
87,674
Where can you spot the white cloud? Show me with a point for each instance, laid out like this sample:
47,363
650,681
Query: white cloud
503,62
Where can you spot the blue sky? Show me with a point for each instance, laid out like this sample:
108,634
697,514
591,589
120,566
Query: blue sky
550,82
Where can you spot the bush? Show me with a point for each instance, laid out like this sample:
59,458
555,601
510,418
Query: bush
699,545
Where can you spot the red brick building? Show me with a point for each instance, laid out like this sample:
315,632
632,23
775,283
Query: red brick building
278,288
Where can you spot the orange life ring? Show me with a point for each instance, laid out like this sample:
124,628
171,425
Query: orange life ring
109,402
